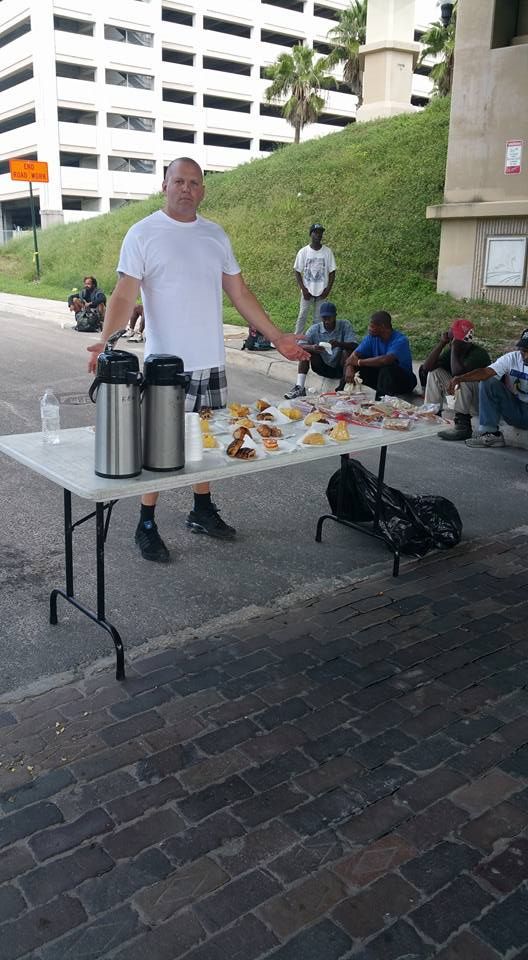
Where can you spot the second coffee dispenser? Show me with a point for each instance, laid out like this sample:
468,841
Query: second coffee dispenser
163,413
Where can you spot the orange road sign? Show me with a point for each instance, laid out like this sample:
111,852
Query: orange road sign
35,171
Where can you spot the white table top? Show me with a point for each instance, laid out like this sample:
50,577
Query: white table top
70,463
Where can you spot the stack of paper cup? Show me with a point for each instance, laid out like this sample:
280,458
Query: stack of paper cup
193,437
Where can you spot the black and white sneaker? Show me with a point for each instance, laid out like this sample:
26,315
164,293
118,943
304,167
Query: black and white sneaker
295,392
210,522
150,543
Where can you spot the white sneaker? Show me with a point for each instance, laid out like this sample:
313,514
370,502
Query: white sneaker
136,338
128,334
486,440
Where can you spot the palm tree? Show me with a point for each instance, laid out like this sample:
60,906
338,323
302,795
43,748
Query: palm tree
439,41
349,35
298,75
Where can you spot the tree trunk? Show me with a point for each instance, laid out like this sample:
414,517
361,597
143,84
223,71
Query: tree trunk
297,134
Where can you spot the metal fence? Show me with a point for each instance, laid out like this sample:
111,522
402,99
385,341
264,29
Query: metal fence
7,235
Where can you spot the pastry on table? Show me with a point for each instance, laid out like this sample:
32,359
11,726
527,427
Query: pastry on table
209,441
238,410
270,443
291,412
241,432
265,416
205,413
266,431
340,432
315,417
238,451
262,405
314,440
243,422
205,426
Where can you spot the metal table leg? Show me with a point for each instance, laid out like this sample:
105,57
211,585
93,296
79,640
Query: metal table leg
375,530
101,531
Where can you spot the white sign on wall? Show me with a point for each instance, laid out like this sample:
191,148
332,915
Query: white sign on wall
505,262
513,159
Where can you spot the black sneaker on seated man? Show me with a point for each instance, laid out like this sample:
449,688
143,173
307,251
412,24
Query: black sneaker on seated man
150,543
296,391
208,520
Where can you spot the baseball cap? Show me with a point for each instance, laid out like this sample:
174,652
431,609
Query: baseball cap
462,329
316,226
522,344
327,309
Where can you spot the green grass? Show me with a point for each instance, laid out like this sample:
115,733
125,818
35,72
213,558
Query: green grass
369,185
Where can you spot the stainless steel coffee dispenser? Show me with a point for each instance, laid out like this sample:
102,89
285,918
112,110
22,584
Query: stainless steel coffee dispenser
116,391
163,413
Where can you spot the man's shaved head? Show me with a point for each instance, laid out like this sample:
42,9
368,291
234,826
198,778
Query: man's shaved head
184,160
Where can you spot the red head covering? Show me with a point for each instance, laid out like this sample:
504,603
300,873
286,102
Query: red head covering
462,329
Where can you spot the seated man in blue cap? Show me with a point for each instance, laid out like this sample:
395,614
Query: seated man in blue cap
327,361
382,359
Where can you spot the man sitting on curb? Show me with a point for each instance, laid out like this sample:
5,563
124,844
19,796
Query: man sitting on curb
341,337
454,354
382,359
503,394
90,296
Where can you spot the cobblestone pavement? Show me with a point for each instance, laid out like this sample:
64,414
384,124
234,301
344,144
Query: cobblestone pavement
346,779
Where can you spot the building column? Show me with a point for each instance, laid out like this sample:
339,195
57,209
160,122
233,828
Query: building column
388,57
50,194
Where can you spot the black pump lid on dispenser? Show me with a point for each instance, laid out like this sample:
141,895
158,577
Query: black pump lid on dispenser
163,370
115,366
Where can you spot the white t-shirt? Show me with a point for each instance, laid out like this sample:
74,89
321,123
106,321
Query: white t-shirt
514,369
315,267
180,266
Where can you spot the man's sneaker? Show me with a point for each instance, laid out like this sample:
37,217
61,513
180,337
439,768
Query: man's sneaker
127,334
210,522
295,392
136,338
486,440
150,542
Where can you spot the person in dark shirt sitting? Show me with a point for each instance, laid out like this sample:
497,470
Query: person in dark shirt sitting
89,296
455,353
382,359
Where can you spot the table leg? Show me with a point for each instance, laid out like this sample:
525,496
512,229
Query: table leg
101,530
361,527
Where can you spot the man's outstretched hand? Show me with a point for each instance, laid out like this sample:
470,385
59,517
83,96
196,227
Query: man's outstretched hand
288,344
94,350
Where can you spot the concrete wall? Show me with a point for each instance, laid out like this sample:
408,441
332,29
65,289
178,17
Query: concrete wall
488,109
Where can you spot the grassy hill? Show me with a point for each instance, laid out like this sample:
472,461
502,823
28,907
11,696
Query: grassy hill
369,185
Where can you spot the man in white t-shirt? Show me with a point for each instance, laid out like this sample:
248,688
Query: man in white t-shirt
315,269
503,394
181,263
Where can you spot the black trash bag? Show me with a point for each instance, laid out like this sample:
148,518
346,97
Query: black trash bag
414,525
88,320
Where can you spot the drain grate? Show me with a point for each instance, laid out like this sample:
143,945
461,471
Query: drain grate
73,399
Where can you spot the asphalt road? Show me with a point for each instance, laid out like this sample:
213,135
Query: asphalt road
209,584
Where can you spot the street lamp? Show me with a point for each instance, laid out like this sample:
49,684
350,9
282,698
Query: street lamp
446,12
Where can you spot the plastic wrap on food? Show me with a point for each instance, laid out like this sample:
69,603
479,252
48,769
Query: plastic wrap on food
397,403
403,424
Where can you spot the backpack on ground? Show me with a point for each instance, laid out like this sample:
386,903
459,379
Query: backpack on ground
256,341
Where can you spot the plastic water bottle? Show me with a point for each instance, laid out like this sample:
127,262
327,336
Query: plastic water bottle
50,417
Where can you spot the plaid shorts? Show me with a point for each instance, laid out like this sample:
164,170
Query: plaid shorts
206,388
